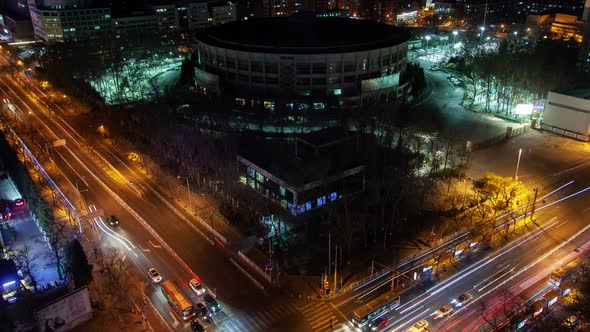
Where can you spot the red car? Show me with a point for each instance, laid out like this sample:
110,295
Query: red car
19,202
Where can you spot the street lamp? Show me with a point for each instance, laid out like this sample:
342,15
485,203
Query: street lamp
188,189
427,40
455,33
517,165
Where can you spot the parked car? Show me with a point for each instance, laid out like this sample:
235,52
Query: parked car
445,310
197,287
211,303
154,275
379,324
113,221
461,300
419,326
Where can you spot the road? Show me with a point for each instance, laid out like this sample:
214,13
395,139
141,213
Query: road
245,306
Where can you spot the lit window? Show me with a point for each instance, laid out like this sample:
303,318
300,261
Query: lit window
252,183
337,92
260,177
282,190
308,205
333,196
251,172
321,201
243,180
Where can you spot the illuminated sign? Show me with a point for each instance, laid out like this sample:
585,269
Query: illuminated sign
522,324
524,109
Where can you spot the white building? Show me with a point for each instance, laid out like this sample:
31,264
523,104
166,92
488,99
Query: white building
568,114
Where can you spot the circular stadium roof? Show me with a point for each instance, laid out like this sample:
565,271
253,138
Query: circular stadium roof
303,34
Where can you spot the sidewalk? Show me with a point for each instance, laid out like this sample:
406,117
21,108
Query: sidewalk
22,231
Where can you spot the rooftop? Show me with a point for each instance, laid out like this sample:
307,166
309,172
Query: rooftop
303,34
279,158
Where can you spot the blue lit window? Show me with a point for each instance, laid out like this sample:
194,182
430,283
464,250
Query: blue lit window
251,172
337,92
308,205
333,196
301,208
321,201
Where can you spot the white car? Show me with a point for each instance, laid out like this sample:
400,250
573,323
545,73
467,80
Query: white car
154,275
197,287
419,326
445,310
461,300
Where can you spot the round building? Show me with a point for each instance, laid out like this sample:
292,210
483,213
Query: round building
302,63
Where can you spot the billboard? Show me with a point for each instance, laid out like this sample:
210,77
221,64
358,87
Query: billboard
65,313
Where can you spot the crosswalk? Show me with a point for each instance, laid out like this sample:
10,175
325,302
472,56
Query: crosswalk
321,317
260,320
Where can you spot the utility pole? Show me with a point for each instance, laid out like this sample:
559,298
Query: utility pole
534,202
372,267
336,269
329,253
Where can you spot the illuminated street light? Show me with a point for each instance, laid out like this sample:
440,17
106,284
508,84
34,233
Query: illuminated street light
455,33
517,165
515,33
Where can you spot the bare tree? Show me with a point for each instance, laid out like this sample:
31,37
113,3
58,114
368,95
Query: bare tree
487,314
25,262
56,235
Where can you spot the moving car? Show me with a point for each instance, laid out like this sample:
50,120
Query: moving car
196,326
113,221
570,322
461,300
197,287
419,326
443,311
204,313
379,324
154,275
211,303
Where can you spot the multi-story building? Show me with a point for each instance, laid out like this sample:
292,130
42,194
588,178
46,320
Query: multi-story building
166,17
317,169
199,17
68,20
302,63
133,25
223,13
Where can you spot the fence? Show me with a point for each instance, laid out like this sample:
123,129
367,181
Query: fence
500,138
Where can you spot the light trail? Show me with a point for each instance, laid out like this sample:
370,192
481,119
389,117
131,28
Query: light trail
103,226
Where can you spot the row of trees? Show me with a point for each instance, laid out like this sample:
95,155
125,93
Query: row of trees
516,75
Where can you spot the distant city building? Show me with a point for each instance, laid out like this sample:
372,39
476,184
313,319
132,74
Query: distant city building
302,63
334,13
223,13
68,20
568,113
314,171
132,25
567,27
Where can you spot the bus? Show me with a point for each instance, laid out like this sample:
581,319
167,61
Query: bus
375,308
181,305
565,272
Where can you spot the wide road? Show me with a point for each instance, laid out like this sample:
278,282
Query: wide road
245,306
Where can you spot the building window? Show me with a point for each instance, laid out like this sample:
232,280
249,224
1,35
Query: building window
260,177
252,183
337,92
308,206
282,191
251,172
333,196
319,106
321,201
243,179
